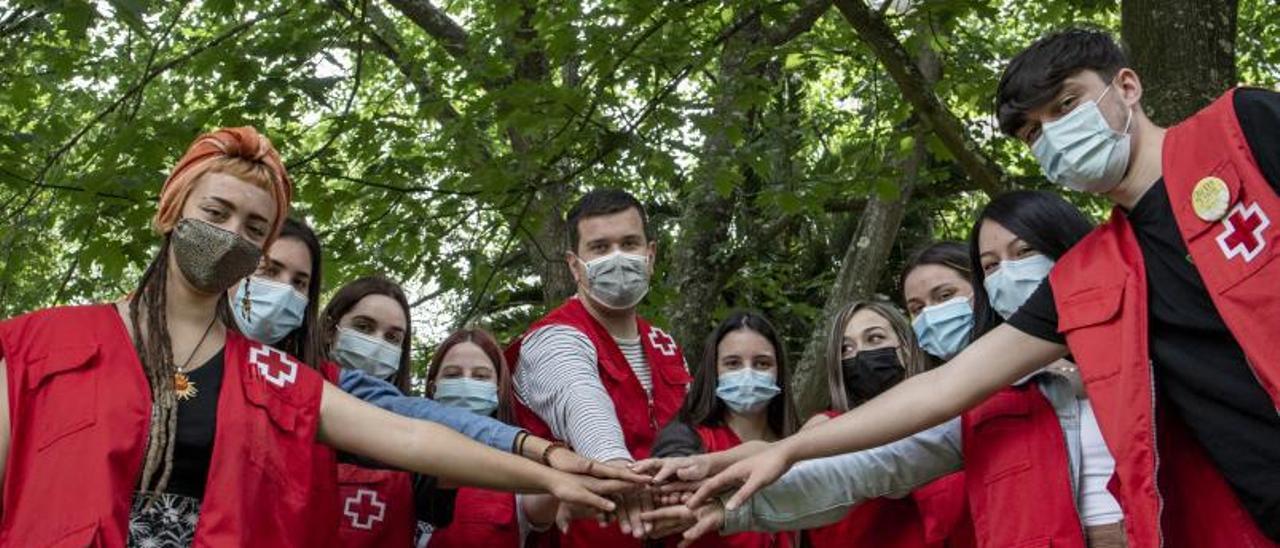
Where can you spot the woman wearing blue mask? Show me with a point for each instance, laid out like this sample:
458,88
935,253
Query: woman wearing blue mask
283,295
1040,431
739,395
939,298
467,371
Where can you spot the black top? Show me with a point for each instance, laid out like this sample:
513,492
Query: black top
197,423
1199,368
677,439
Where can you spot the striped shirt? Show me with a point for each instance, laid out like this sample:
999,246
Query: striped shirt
558,378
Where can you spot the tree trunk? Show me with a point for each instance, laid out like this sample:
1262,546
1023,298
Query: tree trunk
864,261
1184,51
700,257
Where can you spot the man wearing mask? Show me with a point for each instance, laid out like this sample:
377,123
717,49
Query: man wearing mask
592,372
1170,308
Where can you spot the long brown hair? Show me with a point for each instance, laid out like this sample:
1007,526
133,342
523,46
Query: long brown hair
703,408
913,358
305,342
352,293
489,345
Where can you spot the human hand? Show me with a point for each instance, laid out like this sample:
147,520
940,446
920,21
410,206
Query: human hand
575,489
691,468
694,522
748,476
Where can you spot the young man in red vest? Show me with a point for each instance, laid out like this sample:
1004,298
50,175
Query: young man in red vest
1171,309
592,372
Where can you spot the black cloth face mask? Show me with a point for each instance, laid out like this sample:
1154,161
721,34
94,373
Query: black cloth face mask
212,259
869,373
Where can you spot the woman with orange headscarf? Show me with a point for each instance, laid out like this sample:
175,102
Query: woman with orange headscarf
154,421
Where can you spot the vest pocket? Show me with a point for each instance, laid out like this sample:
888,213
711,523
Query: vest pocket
1087,309
1000,423
54,382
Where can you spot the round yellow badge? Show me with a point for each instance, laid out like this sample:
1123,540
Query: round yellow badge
1210,198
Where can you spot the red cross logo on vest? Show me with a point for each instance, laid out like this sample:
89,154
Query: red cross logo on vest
1243,232
662,341
364,509
275,366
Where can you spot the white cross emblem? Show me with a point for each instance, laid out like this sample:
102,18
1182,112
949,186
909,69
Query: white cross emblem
364,513
662,341
275,366
1243,234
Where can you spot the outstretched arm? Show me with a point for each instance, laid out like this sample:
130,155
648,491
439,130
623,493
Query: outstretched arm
428,448
997,359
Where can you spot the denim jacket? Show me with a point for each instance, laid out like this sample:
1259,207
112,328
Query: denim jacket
491,432
822,491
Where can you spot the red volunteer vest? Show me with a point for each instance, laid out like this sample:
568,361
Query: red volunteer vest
1017,471
480,518
722,438
79,411
934,516
1169,490
638,416
376,507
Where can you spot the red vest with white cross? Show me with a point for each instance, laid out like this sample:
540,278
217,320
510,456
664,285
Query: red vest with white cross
637,414
80,407
1170,492
375,507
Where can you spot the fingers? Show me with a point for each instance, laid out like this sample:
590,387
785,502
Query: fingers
667,513
583,496
679,487
668,469
704,525
646,504
623,514
609,486
647,466
715,484
605,471
754,483
636,507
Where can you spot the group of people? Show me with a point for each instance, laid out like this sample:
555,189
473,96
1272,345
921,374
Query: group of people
1047,383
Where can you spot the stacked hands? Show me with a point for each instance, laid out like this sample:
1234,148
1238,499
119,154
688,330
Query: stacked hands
662,497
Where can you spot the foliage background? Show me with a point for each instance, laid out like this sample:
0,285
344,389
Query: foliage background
440,143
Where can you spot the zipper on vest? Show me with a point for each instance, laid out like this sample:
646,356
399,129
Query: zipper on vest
1155,451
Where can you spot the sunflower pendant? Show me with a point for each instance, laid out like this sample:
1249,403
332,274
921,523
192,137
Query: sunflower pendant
183,387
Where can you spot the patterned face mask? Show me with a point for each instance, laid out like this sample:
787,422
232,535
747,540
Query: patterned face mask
210,258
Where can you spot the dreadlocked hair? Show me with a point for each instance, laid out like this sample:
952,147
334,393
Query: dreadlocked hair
155,351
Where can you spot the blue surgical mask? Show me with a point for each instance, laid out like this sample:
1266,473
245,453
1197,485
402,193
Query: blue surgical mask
1081,151
1014,283
359,351
618,280
747,390
477,396
275,309
943,329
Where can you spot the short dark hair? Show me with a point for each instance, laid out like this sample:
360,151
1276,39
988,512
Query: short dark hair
1034,76
1044,220
703,408
600,202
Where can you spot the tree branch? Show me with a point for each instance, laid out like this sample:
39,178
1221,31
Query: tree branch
803,21
452,37
935,116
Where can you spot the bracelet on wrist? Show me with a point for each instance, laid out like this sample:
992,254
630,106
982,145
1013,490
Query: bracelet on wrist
546,453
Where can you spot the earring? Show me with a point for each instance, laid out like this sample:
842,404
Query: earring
245,303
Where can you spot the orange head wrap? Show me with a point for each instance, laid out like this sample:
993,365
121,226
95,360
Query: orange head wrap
242,143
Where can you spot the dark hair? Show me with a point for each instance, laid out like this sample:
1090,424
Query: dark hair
703,408
600,202
1034,76
948,253
352,293
304,342
1048,223
489,345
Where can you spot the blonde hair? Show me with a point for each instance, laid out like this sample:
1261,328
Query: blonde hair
913,358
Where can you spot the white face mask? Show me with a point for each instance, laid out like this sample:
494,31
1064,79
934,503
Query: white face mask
1081,150
747,390
359,351
618,280
275,309
1011,286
